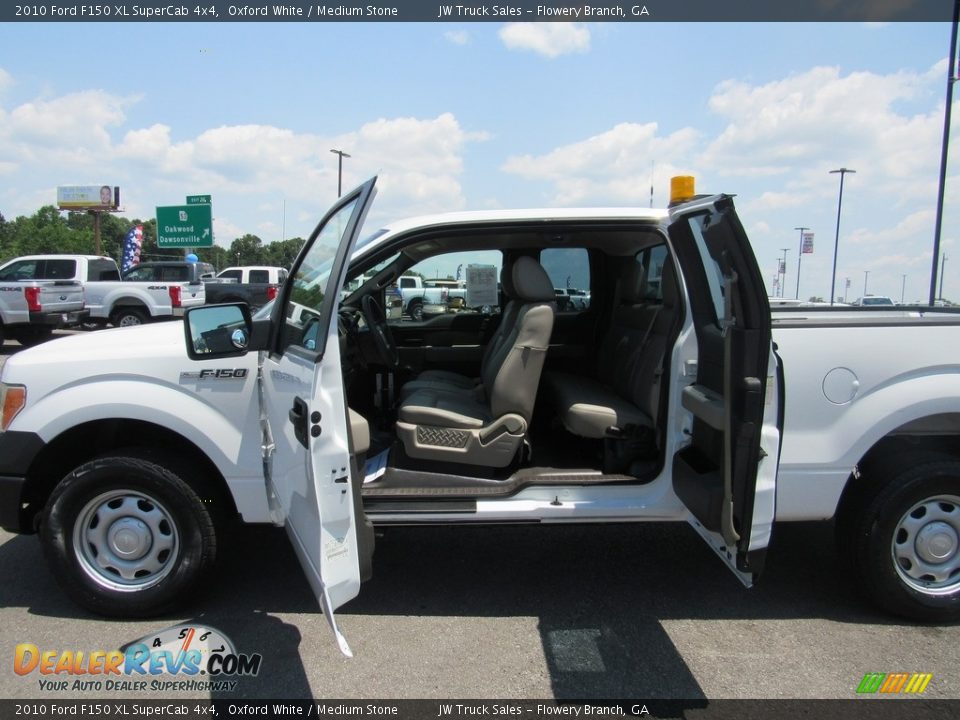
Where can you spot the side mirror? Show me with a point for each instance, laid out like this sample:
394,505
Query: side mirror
217,331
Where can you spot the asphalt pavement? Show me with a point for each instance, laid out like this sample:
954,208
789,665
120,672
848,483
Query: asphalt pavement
638,611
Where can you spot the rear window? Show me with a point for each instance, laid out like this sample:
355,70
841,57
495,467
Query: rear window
22,270
141,274
569,270
58,269
102,270
174,274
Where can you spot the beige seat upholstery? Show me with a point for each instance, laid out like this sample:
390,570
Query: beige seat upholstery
486,425
626,392
463,384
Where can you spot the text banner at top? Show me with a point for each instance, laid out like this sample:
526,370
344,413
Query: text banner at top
520,11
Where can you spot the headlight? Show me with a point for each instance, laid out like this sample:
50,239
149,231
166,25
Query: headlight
12,400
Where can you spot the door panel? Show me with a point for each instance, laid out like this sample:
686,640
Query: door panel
308,461
726,475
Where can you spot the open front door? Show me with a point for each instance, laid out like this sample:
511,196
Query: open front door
309,465
726,476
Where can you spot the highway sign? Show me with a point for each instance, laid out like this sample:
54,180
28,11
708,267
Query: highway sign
198,200
181,226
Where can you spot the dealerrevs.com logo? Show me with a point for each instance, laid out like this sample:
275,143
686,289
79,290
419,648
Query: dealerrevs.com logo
182,657
894,683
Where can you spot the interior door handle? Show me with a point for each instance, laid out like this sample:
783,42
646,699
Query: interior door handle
298,416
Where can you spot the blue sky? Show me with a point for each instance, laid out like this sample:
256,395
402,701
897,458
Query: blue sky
456,116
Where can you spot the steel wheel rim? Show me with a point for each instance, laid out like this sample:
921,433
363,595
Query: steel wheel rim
129,320
126,540
926,545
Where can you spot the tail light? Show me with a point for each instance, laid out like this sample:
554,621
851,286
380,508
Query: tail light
272,292
33,299
175,291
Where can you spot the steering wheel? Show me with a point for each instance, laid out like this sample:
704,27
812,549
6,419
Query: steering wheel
382,337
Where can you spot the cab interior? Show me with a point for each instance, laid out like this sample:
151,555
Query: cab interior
483,400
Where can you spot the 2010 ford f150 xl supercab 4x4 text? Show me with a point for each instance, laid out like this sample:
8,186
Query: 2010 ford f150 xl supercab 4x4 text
673,397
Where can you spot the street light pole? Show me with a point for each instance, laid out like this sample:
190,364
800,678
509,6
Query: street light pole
340,156
783,284
943,264
866,274
903,286
799,258
836,241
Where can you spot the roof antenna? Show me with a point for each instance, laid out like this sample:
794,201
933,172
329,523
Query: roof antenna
651,183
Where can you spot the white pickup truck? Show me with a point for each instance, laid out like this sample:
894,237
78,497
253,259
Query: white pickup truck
674,397
151,291
37,297
420,298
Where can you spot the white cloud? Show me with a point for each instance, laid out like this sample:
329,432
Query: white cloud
457,37
613,167
6,80
81,137
550,39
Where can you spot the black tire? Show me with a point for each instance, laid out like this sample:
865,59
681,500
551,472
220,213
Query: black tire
127,316
30,336
155,516
415,310
900,513
2,338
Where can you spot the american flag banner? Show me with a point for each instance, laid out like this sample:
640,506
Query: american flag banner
131,248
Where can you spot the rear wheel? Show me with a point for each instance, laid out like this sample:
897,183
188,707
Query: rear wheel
127,536
903,537
33,335
125,317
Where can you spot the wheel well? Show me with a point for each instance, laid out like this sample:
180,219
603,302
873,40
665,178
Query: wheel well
85,442
931,436
129,304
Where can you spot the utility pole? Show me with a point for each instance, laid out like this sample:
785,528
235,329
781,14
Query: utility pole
903,286
340,156
799,258
944,146
866,274
836,241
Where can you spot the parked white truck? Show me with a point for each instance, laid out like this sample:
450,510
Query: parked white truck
37,297
151,291
674,397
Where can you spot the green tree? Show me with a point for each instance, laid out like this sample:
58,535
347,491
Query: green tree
282,253
247,250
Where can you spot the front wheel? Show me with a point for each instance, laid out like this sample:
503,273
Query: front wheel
905,539
127,536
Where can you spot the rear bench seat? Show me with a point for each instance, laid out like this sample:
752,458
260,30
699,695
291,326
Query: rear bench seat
625,395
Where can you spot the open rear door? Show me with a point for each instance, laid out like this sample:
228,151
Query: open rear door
313,482
726,476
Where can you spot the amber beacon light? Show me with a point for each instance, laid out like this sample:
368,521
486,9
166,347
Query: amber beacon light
681,188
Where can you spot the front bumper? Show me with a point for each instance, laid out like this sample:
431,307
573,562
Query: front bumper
59,319
18,450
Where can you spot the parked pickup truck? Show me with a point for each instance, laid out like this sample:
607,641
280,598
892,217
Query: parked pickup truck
150,291
418,295
131,451
37,296
255,285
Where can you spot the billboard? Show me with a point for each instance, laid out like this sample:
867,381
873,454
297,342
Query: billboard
88,197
